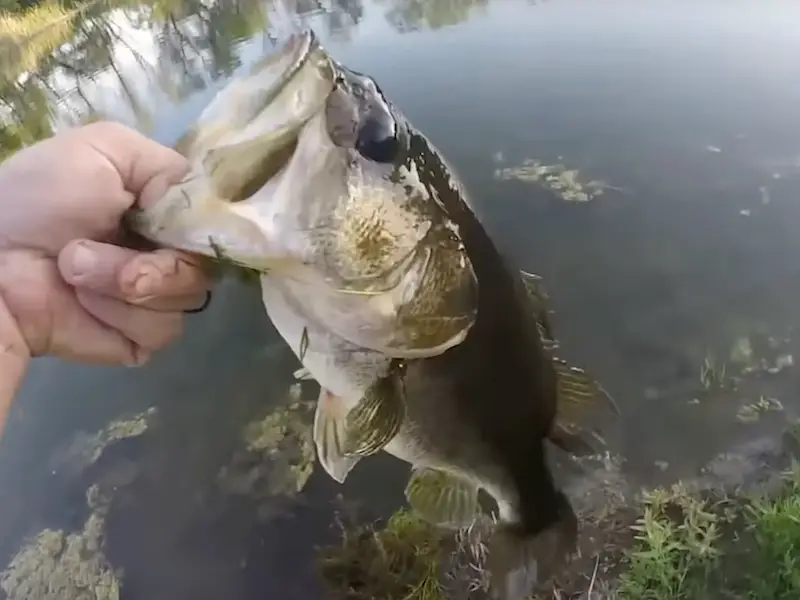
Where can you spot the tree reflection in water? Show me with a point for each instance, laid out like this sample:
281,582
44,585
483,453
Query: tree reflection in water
111,59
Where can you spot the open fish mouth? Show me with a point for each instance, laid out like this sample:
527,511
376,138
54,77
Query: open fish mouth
244,138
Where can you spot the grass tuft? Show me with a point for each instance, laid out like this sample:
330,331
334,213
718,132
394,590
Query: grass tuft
693,548
774,565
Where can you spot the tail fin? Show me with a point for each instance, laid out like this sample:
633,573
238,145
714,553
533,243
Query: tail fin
519,562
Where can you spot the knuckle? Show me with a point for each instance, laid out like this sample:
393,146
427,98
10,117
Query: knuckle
14,349
105,128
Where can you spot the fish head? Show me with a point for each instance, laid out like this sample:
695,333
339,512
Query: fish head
236,149
303,170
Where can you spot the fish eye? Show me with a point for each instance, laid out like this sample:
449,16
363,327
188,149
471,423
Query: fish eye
377,140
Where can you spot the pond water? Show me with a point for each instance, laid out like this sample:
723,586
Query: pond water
689,112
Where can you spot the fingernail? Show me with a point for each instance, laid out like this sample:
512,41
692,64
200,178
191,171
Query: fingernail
84,260
140,357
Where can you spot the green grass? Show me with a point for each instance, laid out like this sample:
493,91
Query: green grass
686,547
675,548
774,570
694,548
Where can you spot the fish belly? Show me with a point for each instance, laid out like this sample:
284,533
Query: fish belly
338,366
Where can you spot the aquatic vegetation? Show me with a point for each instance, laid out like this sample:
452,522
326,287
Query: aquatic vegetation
714,374
277,456
749,413
86,448
55,565
762,354
742,352
558,179
401,561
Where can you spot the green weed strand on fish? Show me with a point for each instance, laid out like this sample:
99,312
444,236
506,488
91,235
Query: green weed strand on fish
222,264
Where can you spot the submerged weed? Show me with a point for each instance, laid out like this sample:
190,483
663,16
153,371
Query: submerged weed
713,374
402,561
565,183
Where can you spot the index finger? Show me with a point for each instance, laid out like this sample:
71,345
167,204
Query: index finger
146,168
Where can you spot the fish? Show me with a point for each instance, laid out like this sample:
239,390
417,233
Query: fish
381,278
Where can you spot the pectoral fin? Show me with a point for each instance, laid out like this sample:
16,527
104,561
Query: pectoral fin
377,418
330,436
442,499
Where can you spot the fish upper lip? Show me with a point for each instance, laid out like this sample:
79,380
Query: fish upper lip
302,45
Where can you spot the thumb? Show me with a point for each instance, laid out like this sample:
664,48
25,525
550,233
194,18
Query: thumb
14,359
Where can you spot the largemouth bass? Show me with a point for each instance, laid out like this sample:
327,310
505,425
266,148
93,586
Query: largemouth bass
381,278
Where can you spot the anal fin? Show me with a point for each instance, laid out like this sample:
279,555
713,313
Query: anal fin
330,436
442,499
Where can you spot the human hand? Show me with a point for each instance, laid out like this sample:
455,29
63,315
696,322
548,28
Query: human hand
66,289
